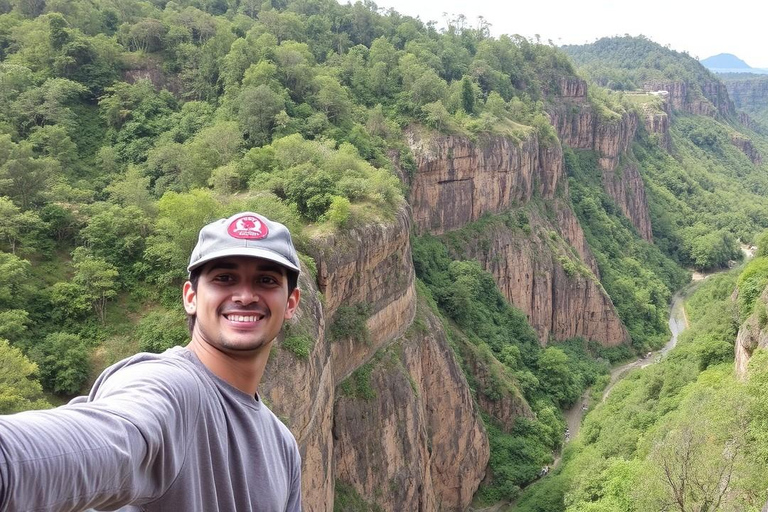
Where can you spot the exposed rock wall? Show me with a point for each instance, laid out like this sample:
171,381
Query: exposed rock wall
746,147
657,123
712,99
531,274
458,181
750,93
419,443
302,392
626,187
579,127
751,337
371,265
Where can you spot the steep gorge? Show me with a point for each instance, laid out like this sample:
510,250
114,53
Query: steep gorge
371,414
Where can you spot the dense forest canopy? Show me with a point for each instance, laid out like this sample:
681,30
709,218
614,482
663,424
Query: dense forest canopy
626,63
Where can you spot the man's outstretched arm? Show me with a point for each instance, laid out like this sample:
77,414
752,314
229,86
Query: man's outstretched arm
124,447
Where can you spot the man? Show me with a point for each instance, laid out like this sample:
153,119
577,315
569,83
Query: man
184,430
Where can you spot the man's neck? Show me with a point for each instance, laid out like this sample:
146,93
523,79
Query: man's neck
243,371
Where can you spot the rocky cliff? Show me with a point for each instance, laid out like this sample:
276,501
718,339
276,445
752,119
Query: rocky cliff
709,98
745,145
393,447
753,334
749,93
540,275
579,127
416,442
458,181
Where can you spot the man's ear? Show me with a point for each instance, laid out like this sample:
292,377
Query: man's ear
293,303
190,298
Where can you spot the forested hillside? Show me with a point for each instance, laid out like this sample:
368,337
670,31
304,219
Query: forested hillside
127,125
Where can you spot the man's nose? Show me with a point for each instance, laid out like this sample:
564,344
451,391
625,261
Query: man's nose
245,295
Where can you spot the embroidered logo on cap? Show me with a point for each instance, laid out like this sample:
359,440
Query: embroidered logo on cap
248,227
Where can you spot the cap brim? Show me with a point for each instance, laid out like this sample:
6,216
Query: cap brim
252,252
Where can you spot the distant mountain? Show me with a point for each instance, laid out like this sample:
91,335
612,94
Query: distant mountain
725,60
729,63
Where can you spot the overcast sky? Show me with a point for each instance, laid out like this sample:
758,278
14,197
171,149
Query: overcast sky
701,28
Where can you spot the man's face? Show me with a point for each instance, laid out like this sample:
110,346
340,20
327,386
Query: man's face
240,303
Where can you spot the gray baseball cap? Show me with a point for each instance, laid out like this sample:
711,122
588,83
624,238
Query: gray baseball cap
245,234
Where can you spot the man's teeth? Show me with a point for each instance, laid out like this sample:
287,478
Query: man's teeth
241,318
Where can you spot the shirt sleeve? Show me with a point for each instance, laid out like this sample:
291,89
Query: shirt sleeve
125,446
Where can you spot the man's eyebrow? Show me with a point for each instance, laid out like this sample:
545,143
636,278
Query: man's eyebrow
222,265
265,266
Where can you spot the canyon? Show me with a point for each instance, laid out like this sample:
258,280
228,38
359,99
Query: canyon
391,418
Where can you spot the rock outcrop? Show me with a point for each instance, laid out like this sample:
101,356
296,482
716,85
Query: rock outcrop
418,444
579,127
656,123
746,147
753,334
458,181
541,277
709,98
398,441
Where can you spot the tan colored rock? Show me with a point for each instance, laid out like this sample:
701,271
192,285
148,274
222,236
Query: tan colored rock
530,274
370,265
745,145
712,101
458,181
626,188
419,443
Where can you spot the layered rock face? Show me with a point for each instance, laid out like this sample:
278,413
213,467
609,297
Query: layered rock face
657,123
749,93
580,128
530,273
369,266
398,442
712,101
746,147
418,444
458,181
301,392
752,335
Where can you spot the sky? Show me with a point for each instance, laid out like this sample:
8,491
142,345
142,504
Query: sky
701,28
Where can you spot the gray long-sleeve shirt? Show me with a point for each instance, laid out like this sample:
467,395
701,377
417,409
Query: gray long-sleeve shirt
159,432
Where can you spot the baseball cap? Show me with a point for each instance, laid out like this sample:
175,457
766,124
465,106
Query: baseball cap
245,234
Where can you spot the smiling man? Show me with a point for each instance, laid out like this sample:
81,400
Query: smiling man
183,430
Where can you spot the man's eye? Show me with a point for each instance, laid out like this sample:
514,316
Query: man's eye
223,278
268,280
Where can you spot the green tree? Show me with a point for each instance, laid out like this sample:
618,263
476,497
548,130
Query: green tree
64,362
19,387
556,377
257,109
97,278
15,284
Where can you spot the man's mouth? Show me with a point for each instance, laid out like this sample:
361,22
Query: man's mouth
243,318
